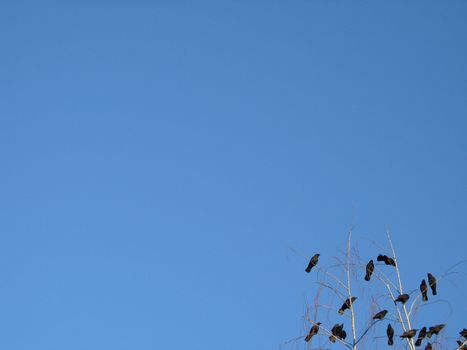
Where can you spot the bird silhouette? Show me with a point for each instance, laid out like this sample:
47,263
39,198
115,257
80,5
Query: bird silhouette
334,332
432,283
346,305
370,267
421,336
312,263
409,334
424,290
337,332
402,298
387,260
380,315
314,330
435,330
390,334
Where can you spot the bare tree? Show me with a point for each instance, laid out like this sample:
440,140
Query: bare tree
334,320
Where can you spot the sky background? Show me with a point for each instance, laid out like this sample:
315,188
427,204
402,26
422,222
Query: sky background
168,167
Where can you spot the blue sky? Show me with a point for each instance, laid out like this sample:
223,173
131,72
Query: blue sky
163,162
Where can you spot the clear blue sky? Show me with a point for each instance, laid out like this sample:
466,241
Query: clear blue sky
158,160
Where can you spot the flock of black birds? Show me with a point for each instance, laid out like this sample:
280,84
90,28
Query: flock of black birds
338,332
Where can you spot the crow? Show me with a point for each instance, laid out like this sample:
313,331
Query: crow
314,330
390,334
346,305
424,290
312,263
421,336
463,333
409,334
380,315
387,260
337,332
435,330
428,346
402,298
370,267
334,332
432,283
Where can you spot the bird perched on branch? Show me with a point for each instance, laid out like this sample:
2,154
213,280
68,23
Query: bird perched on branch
390,334
334,331
424,290
346,305
432,283
409,334
370,267
386,259
402,298
314,330
380,315
313,262
421,336
337,332
435,330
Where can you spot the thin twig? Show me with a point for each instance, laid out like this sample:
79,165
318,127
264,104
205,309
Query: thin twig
409,326
352,313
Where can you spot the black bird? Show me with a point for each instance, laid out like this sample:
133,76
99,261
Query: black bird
337,332
432,283
424,290
435,330
463,333
334,332
390,334
428,346
409,334
314,330
370,267
312,263
421,336
387,260
402,298
380,315
346,305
